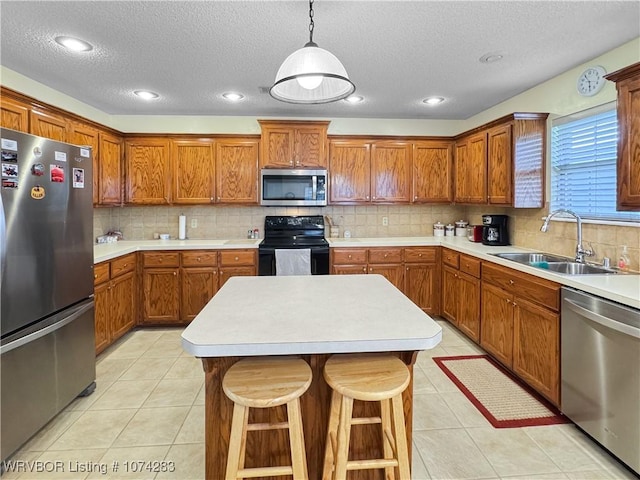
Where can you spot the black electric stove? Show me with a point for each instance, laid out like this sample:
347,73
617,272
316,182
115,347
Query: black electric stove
286,232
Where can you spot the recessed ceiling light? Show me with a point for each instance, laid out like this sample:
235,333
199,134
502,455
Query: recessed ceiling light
354,99
433,100
146,94
233,96
74,44
491,57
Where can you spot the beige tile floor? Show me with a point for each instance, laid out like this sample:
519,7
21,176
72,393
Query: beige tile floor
149,407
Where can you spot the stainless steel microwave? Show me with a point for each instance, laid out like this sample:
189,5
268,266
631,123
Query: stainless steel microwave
294,188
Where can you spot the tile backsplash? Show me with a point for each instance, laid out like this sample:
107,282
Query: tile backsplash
214,222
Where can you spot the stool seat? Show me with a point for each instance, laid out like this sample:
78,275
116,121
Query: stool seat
266,382
369,378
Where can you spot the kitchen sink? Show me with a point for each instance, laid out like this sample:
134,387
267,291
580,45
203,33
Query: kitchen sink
532,258
575,268
555,263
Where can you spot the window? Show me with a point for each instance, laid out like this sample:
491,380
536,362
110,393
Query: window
583,164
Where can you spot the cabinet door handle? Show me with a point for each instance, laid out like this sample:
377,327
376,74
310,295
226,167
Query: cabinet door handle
514,304
198,259
511,282
175,273
367,197
371,269
236,259
507,300
419,254
349,257
95,275
218,198
364,269
386,255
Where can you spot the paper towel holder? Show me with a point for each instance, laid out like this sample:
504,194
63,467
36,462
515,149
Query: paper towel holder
182,227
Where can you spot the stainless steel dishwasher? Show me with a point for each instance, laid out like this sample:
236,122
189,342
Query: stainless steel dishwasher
600,363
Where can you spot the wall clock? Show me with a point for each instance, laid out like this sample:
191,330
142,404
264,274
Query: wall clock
591,81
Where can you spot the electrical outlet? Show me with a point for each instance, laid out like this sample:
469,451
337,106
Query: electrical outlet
194,223
385,221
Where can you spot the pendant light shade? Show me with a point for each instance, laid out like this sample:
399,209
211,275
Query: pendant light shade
311,75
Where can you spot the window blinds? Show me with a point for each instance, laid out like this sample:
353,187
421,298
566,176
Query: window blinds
583,166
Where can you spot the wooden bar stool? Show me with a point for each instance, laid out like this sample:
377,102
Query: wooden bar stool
371,378
265,382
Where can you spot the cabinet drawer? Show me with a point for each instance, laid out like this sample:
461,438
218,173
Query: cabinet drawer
164,259
420,255
100,273
349,256
470,265
522,285
451,258
237,257
385,255
123,265
200,258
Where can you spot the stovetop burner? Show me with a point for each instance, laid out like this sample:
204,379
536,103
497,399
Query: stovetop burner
294,232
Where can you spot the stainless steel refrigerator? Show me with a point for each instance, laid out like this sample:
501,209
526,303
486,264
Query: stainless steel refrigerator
47,353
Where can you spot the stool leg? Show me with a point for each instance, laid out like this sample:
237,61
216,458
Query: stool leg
332,432
296,440
344,435
386,430
237,441
400,435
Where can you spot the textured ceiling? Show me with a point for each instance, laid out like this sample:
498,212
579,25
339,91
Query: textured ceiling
397,53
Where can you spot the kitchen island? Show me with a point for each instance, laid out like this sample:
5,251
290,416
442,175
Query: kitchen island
312,317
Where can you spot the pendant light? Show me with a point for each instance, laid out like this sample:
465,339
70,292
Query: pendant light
311,75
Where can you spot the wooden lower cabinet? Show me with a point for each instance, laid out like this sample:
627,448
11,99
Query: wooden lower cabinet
520,326
461,292
161,291
115,295
422,278
381,261
177,285
198,286
415,271
536,347
497,323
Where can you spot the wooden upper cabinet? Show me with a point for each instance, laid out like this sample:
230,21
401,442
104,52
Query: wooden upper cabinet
499,184
471,169
236,166
293,144
503,163
110,172
432,172
349,171
148,173
48,125
193,171
85,135
628,86
391,171
14,114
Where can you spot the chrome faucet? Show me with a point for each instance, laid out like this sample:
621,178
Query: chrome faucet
580,252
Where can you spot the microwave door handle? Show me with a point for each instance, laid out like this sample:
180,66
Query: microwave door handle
314,186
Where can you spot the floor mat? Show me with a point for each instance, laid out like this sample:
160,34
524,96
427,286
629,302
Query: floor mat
504,400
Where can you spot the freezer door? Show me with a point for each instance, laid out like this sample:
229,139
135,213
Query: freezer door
46,228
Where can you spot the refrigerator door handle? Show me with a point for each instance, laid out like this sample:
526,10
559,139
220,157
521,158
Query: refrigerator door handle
73,315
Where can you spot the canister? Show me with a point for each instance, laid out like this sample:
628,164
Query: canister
449,231
461,228
438,229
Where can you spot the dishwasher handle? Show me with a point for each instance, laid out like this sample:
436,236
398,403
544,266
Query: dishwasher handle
602,320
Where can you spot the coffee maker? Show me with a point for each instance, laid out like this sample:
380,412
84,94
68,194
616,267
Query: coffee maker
495,230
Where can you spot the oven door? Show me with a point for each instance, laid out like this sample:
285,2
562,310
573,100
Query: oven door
319,260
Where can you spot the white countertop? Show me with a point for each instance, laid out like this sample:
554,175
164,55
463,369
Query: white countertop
107,251
291,315
620,288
